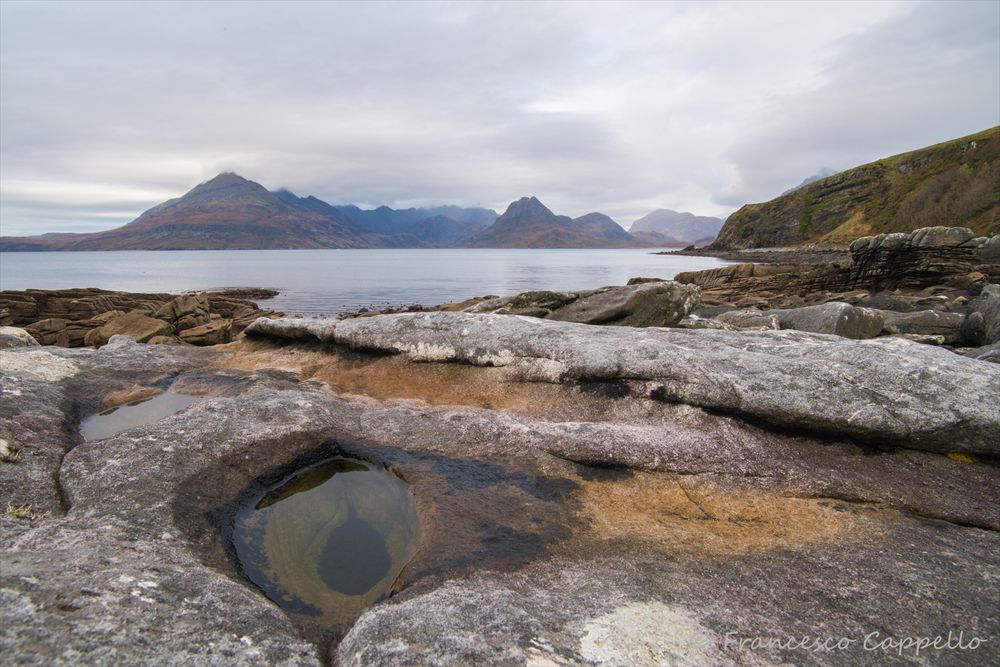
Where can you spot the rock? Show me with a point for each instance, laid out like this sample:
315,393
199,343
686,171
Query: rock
924,258
139,327
656,304
213,333
89,309
839,319
16,337
185,312
165,340
640,280
946,326
749,318
609,565
534,304
982,327
989,353
882,391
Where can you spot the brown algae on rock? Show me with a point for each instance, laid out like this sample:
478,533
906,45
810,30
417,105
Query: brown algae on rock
328,541
137,413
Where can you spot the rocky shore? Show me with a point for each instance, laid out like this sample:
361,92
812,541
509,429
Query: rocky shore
78,317
643,475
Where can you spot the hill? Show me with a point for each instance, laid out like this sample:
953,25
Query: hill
527,223
949,184
680,228
228,212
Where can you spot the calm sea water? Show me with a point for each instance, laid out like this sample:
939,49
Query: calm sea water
316,282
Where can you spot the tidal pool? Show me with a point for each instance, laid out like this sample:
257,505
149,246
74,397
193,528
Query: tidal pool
329,540
139,413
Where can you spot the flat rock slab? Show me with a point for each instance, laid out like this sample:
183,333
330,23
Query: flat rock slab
133,573
885,390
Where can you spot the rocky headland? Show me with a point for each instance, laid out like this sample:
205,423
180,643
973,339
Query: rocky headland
638,475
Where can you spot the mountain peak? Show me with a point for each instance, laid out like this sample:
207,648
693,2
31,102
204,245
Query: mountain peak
527,206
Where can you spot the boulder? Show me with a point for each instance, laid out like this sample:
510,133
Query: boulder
749,318
933,323
134,324
212,333
535,304
655,304
839,319
11,337
183,306
982,326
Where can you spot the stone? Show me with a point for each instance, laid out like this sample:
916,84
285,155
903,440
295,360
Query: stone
887,390
213,333
946,326
655,304
534,304
839,319
189,305
749,318
982,327
16,337
134,324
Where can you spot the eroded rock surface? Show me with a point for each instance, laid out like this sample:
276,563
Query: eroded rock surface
693,528
888,390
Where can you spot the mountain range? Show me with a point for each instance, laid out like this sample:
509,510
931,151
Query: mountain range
230,212
666,227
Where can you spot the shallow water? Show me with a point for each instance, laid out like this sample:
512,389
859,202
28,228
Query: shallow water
314,282
139,413
329,540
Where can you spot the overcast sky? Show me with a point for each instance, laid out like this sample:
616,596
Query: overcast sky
109,108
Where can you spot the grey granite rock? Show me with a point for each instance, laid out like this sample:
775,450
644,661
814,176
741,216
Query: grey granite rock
887,390
16,337
948,326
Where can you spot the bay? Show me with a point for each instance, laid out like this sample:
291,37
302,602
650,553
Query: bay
327,282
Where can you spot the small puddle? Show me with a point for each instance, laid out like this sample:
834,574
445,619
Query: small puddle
139,413
328,541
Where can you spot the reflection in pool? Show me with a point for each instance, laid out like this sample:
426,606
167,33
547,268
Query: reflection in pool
328,541
139,413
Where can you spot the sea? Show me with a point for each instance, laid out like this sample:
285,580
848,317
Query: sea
328,282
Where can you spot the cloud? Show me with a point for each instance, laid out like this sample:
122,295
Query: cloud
108,108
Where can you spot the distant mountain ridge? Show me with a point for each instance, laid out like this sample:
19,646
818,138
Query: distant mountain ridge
229,212
951,184
679,228
527,223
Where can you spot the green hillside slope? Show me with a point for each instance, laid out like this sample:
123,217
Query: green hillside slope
956,183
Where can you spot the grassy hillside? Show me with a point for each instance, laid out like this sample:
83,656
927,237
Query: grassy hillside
956,183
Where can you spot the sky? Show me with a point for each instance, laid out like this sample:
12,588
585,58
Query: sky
107,109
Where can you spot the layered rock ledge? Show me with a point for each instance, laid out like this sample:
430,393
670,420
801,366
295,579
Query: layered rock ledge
890,390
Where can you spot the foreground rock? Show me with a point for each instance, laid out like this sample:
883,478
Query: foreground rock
78,317
887,390
526,556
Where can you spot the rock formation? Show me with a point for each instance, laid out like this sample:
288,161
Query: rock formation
73,318
595,526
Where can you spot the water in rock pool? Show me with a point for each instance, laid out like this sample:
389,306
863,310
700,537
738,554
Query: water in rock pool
110,422
328,541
